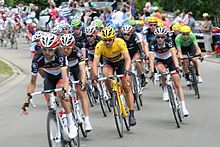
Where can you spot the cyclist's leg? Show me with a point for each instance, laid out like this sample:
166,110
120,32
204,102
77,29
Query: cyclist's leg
185,50
192,52
108,71
128,90
160,64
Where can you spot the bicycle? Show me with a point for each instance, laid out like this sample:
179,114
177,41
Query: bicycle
103,94
120,108
57,129
174,102
192,74
136,86
77,107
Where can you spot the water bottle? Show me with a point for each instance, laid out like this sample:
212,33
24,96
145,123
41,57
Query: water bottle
52,101
122,98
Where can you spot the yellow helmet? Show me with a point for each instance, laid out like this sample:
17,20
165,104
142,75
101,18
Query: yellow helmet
176,27
152,19
185,29
108,33
140,22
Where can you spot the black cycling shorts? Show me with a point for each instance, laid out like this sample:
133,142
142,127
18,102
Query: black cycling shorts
119,66
50,81
169,63
188,49
75,72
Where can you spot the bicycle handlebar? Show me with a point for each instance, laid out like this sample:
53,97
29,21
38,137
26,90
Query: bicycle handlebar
47,91
111,77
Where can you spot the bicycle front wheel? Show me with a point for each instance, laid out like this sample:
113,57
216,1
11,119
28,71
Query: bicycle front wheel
117,114
194,82
173,105
53,132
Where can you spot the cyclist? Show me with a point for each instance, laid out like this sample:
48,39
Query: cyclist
91,40
76,65
149,32
163,54
52,60
186,43
135,49
78,33
116,58
175,31
36,45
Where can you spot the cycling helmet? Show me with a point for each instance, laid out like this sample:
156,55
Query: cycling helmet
37,36
132,22
49,40
185,29
108,33
176,27
76,23
140,22
67,40
56,30
152,19
160,31
127,29
97,23
90,30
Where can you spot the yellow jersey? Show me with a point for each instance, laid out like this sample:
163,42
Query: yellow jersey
112,54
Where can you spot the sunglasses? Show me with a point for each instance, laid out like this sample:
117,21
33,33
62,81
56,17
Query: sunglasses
160,37
89,36
185,34
48,49
77,28
153,24
127,34
109,40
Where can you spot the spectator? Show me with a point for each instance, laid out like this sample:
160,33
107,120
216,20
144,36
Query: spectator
176,17
166,21
191,22
206,27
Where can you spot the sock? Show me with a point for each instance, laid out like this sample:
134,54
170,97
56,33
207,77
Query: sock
70,119
183,104
86,118
131,113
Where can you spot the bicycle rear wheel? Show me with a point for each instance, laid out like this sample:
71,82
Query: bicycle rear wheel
173,105
194,82
90,96
102,101
74,142
135,93
54,139
117,114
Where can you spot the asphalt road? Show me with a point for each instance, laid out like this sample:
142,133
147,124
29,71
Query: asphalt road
155,124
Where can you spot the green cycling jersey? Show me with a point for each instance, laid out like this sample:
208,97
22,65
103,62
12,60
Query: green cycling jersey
185,43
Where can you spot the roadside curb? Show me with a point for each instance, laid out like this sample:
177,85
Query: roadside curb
16,72
211,60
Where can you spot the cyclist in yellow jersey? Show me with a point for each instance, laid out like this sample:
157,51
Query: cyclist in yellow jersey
116,58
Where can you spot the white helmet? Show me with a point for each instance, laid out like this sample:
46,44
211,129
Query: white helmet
127,29
37,36
90,30
67,40
49,40
160,31
2,2
56,30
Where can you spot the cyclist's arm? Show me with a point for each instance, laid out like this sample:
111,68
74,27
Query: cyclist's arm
178,46
127,60
175,59
82,68
95,65
151,59
65,78
195,43
31,87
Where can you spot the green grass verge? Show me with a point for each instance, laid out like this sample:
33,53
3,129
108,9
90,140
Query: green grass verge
5,69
